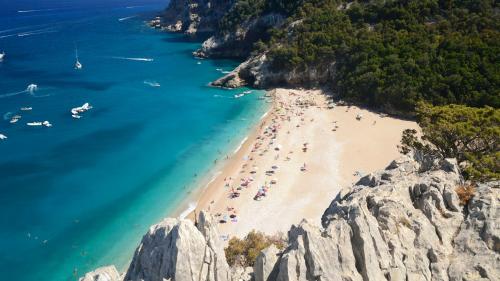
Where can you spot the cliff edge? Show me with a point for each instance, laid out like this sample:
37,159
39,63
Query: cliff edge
406,222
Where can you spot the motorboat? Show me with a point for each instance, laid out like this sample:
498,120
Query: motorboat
76,116
3,137
14,120
78,64
34,124
247,92
238,96
26,108
46,124
2,55
77,110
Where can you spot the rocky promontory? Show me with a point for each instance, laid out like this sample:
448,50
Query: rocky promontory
406,222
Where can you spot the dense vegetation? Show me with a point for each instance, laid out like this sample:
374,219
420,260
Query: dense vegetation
244,252
245,10
442,55
471,135
390,54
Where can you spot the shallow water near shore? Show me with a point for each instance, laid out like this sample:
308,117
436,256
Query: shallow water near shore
82,193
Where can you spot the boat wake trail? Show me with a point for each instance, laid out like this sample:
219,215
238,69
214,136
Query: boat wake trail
152,83
12,94
36,32
35,11
31,89
133,59
127,18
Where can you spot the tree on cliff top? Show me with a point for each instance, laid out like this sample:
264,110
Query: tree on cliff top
471,135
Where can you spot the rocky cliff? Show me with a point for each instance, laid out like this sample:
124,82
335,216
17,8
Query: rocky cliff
403,223
257,72
192,17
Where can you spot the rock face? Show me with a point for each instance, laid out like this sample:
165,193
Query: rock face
177,250
402,223
266,266
258,72
239,43
193,17
108,273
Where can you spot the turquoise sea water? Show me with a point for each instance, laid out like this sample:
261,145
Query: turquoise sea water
82,193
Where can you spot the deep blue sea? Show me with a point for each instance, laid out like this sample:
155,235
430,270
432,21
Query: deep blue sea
81,194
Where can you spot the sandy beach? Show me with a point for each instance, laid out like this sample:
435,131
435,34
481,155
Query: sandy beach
296,160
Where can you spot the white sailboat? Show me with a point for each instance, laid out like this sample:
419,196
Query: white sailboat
78,65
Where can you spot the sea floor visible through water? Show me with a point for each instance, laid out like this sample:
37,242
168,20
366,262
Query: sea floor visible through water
80,194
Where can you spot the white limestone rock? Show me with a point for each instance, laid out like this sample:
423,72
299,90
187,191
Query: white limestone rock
265,268
107,273
177,250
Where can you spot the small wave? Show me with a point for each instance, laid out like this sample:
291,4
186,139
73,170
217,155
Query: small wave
191,207
213,178
241,144
221,97
264,115
152,83
134,59
133,7
127,18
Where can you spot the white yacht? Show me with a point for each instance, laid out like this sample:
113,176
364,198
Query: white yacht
85,107
238,96
2,55
26,108
3,137
34,124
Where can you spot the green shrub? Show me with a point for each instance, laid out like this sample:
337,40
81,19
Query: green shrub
471,135
244,252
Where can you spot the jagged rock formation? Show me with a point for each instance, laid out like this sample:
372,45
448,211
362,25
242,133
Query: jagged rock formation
192,17
177,250
402,223
107,273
